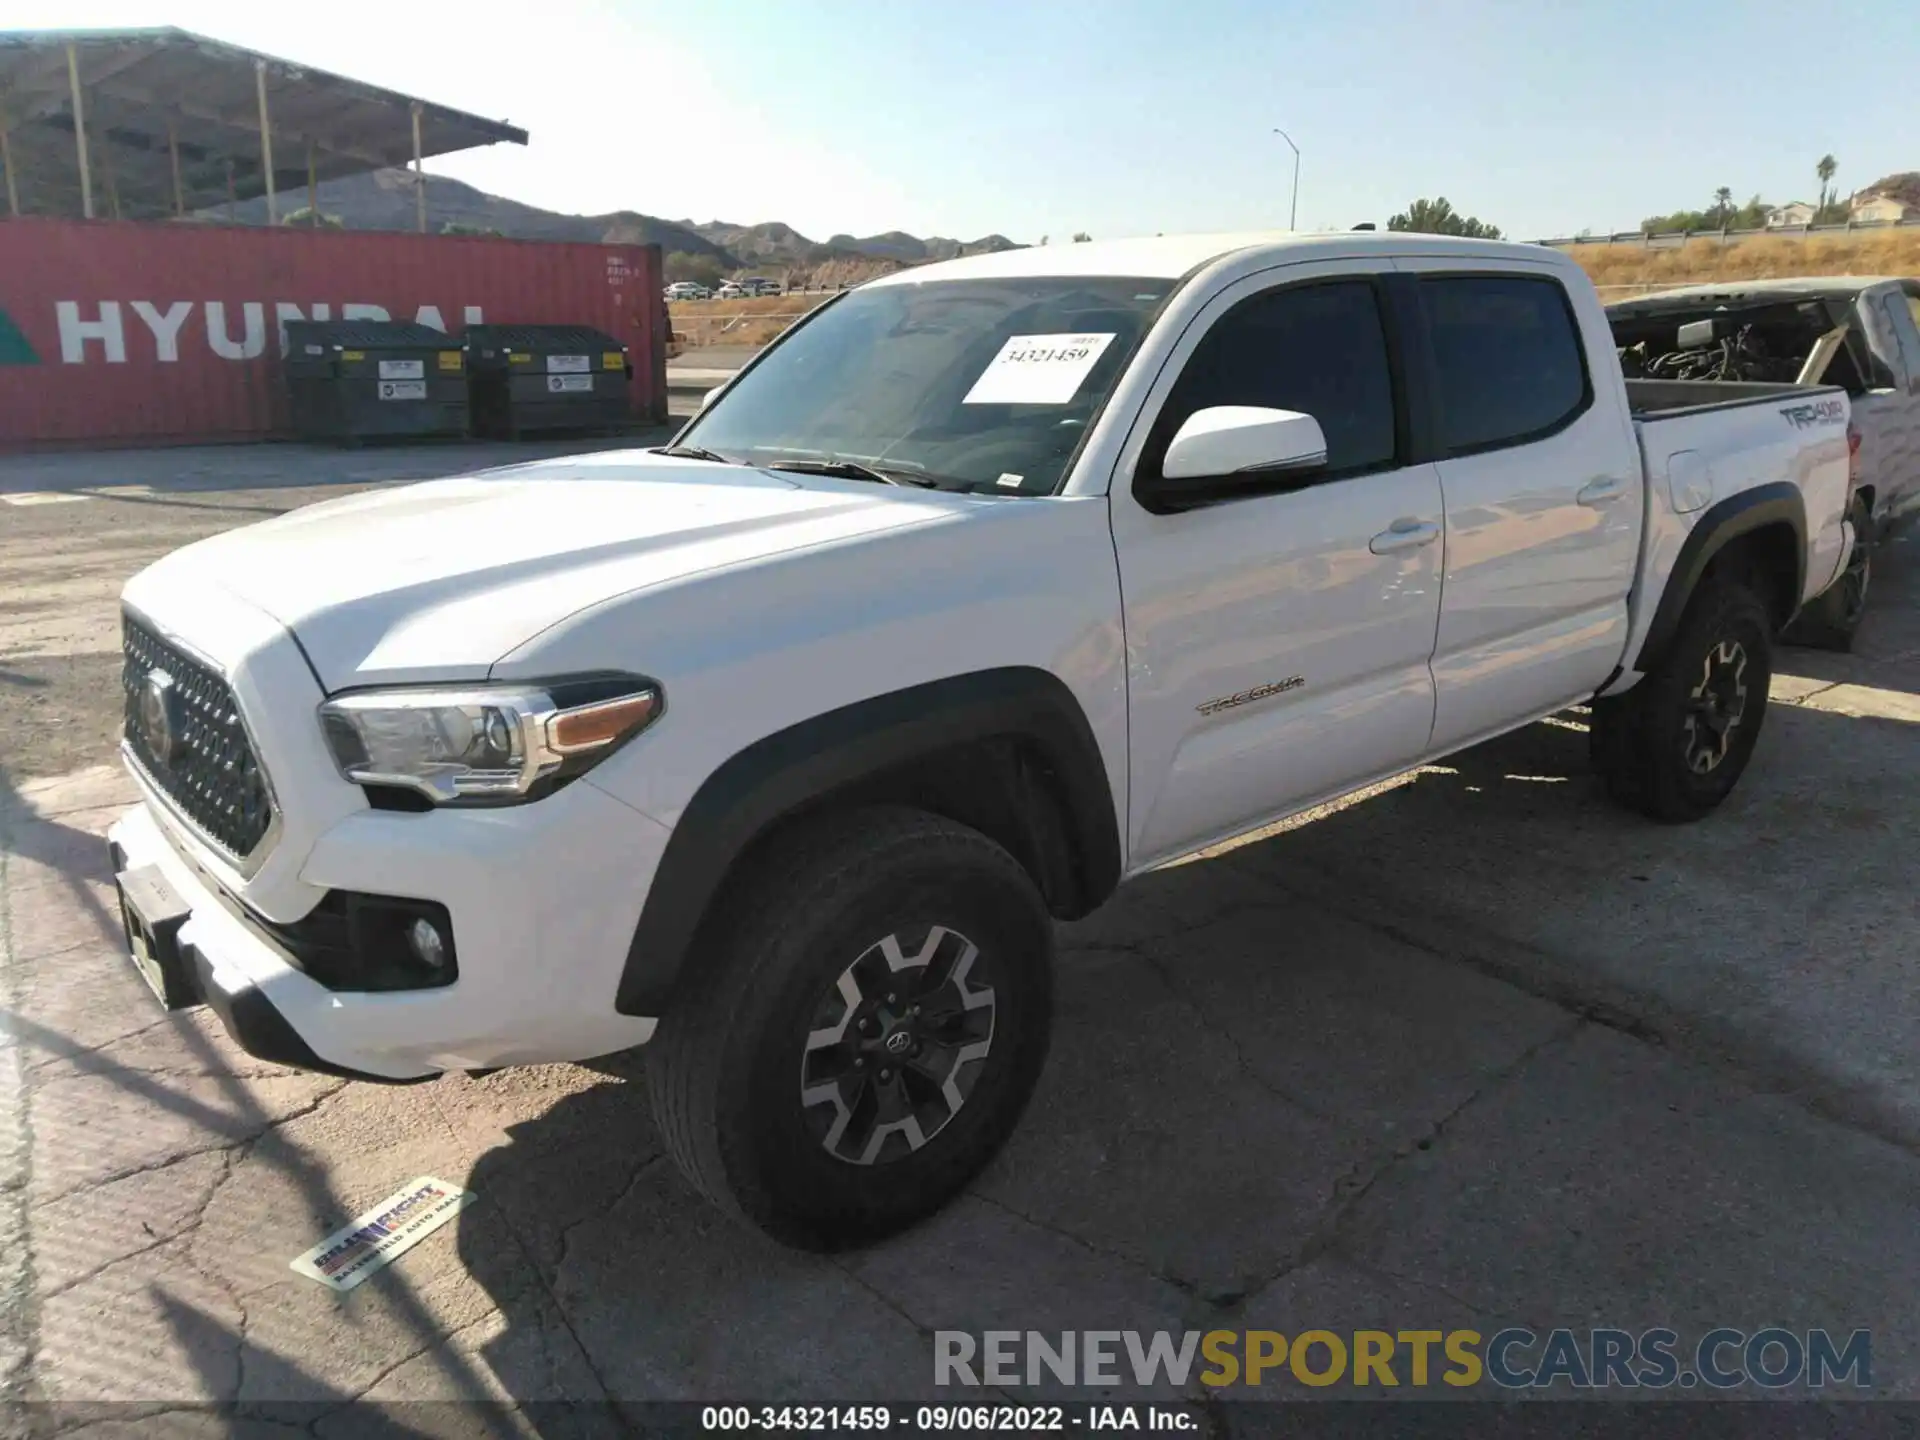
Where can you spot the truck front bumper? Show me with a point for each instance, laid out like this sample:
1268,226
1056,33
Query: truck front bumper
543,900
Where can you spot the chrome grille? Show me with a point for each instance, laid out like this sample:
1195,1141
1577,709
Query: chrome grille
184,730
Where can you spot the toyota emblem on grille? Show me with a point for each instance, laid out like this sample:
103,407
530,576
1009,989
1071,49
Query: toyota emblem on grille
159,716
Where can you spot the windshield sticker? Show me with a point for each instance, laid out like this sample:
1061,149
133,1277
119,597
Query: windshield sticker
1038,370
1011,480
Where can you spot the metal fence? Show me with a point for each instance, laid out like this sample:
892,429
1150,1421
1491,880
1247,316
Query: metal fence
693,330
1669,239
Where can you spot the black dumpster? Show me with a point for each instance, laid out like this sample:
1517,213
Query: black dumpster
354,380
546,377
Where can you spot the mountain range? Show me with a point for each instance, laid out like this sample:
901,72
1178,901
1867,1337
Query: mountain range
384,200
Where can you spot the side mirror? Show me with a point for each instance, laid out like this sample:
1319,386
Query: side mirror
707,397
1244,440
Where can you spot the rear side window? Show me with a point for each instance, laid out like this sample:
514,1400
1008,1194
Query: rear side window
1317,348
1511,367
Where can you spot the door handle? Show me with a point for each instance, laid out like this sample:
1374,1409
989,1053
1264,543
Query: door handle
1404,534
1603,491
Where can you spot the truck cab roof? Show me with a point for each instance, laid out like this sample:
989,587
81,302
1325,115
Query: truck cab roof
1173,256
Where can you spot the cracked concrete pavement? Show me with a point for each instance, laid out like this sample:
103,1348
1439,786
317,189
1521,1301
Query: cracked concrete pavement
1477,1050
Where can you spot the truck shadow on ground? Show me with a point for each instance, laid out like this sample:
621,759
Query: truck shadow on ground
1246,1043
73,858
223,1115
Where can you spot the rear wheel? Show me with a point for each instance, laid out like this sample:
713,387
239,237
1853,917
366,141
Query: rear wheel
1674,746
1829,622
863,1036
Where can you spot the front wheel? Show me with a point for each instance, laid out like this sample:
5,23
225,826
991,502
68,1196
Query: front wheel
1674,746
863,1034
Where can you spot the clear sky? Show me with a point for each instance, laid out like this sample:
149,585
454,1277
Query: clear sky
1122,116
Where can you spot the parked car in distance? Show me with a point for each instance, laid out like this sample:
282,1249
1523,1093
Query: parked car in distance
730,290
779,750
1859,332
688,290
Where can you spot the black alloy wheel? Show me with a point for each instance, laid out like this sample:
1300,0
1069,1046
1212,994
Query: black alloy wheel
896,1046
1718,704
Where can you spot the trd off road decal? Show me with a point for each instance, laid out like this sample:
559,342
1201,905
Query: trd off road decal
1815,412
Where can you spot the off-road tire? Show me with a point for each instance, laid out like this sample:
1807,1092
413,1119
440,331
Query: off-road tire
1831,618
1641,744
725,1066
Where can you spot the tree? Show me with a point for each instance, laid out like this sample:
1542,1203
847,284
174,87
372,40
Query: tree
700,269
304,217
1723,216
1832,209
1438,217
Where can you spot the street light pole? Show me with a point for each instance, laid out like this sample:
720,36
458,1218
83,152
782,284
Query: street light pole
1293,214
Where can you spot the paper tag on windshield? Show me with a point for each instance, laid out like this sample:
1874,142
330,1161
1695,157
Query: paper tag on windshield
1038,370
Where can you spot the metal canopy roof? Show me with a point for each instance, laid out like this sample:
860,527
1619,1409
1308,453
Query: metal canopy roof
149,94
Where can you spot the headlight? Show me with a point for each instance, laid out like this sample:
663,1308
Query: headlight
488,744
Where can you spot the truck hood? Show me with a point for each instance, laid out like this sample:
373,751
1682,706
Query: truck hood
438,581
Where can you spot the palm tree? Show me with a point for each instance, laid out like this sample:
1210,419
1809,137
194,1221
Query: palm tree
1825,170
1723,204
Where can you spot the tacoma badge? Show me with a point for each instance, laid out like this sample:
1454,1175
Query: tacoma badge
1245,697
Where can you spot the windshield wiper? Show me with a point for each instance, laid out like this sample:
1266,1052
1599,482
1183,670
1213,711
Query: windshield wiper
849,470
692,452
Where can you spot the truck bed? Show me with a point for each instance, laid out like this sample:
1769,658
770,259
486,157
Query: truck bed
1661,399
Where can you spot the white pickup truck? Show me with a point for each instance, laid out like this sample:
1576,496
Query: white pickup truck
1860,332
990,585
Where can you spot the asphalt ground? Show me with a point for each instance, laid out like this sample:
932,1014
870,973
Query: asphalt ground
1475,1051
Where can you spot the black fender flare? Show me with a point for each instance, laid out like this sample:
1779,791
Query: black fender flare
1718,527
782,773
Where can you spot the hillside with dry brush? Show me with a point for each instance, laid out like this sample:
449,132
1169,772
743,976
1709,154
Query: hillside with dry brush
1621,269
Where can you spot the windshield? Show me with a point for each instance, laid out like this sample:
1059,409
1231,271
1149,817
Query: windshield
966,384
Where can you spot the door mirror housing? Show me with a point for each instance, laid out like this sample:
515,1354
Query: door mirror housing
1244,445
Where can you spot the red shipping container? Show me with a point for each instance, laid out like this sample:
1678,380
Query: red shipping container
171,333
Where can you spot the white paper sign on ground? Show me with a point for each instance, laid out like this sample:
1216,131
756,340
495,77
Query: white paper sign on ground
384,1233
1038,370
